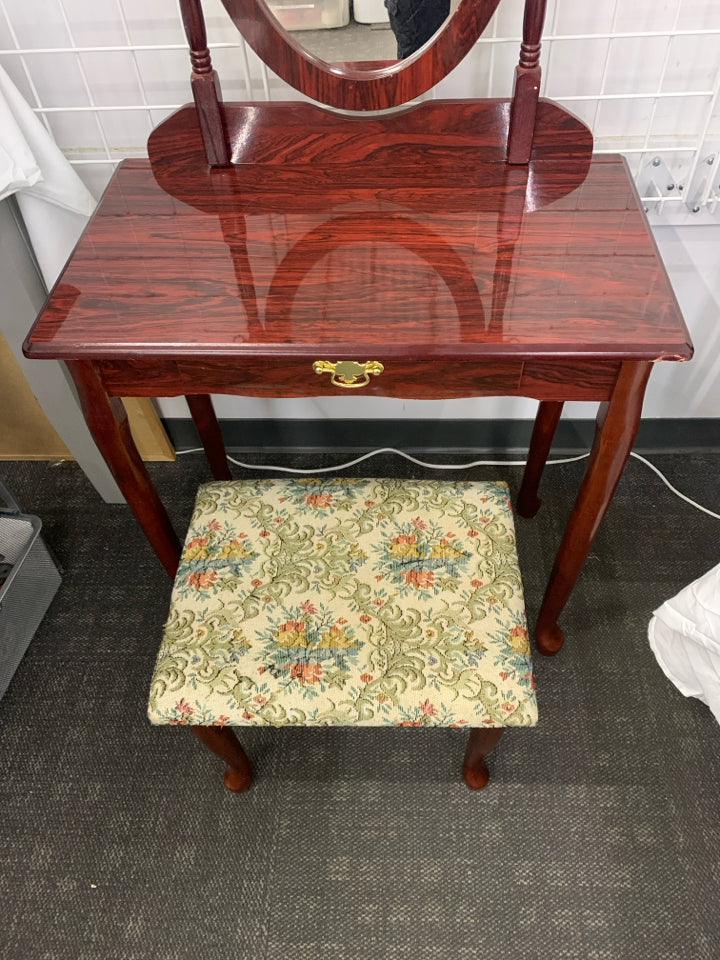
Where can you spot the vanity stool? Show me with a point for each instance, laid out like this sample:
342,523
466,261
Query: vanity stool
356,602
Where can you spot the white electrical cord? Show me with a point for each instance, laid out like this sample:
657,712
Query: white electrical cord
448,466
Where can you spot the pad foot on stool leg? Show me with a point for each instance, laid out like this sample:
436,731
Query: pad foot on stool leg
223,742
475,770
549,638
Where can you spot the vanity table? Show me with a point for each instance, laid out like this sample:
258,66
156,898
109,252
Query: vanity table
452,249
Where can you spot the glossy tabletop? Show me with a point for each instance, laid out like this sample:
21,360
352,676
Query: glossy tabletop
388,259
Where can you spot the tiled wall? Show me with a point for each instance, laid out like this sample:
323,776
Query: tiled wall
644,74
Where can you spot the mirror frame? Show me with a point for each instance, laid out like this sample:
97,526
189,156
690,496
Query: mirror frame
351,88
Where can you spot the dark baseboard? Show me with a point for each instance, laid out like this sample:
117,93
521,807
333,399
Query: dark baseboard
448,436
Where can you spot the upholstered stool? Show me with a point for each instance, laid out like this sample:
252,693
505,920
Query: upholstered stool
352,602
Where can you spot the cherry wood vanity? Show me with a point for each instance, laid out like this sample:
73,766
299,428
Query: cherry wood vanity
458,248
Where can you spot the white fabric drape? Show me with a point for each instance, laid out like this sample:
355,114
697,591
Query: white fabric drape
684,634
54,202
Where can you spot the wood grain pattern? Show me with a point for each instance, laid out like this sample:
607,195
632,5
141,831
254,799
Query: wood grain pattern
425,379
419,146
456,269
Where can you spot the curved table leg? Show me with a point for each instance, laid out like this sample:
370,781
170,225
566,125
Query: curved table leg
546,421
208,428
108,423
617,424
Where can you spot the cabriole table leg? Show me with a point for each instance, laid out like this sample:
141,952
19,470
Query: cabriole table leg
546,421
617,425
109,426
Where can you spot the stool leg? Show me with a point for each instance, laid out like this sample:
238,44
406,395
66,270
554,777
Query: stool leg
223,742
482,740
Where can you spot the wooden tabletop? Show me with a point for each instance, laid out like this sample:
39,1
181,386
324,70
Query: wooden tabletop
463,257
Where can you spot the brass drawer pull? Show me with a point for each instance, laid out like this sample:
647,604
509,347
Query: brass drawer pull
348,373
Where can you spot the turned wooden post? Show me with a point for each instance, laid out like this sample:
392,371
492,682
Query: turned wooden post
527,85
205,86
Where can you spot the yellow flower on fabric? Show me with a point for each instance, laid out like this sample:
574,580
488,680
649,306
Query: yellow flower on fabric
519,639
445,550
405,546
292,634
235,550
196,549
335,637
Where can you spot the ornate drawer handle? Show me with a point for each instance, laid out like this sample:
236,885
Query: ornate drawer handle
348,373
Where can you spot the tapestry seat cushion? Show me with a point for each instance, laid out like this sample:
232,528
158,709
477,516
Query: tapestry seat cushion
353,601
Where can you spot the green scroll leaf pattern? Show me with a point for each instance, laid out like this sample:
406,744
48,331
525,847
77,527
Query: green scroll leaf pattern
372,602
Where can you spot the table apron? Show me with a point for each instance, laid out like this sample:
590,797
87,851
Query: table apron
427,379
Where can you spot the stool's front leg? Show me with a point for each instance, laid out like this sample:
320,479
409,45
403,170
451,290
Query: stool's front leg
223,742
108,423
481,742
546,423
617,424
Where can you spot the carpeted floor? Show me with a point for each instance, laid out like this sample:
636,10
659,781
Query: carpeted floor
598,837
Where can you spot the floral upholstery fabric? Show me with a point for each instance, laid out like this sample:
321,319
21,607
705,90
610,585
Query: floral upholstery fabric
361,602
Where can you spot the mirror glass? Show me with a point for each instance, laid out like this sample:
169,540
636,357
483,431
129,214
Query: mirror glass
361,31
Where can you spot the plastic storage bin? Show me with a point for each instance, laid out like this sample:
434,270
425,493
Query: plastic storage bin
370,11
311,14
29,580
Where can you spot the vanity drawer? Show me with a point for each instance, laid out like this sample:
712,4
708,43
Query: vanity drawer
428,379
297,377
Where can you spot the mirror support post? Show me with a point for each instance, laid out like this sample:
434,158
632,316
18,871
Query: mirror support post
527,85
205,86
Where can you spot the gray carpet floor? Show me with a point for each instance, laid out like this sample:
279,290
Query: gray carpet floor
597,838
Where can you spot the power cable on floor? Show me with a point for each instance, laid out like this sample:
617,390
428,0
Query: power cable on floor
448,466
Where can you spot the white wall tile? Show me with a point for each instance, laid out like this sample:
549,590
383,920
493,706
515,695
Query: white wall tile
165,75
646,15
14,68
38,23
58,79
78,134
574,17
113,77
94,24
693,63
635,67
562,73
153,21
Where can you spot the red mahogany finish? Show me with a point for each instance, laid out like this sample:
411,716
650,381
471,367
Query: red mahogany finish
407,240
480,742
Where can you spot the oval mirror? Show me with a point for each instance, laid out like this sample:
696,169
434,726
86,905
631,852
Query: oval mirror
352,85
